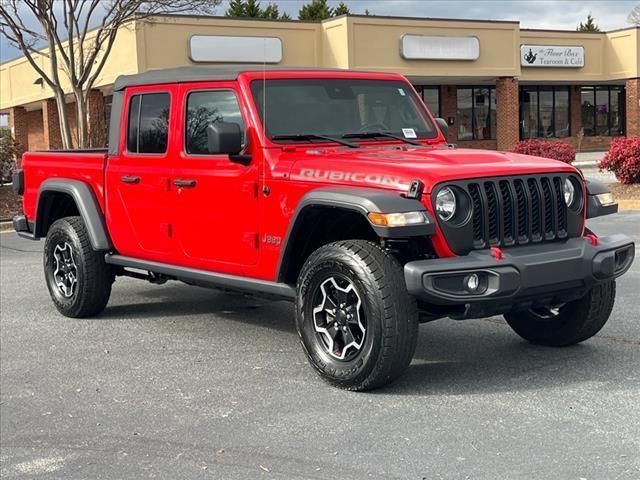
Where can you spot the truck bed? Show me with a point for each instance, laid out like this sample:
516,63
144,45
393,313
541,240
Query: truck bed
86,165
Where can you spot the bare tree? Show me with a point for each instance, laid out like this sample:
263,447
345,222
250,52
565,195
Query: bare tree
634,16
90,28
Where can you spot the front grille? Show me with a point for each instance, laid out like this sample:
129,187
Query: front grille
514,211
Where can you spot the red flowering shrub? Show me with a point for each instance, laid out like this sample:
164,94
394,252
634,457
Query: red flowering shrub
554,149
623,159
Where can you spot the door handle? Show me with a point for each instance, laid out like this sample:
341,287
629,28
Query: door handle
184,183
130,179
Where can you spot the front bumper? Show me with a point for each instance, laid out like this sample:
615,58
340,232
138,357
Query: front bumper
525,275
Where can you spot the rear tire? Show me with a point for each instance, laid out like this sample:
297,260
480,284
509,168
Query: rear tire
575,321
78,279
355,287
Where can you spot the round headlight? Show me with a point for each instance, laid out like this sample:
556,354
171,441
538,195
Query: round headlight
569,192
446,203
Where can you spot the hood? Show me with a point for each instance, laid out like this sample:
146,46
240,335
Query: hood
395,168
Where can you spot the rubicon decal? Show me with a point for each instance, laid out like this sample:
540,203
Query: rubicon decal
339,176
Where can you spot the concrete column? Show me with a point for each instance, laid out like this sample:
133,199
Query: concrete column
19,126
449,109
507,113
633,107
97,126
51,125
575,107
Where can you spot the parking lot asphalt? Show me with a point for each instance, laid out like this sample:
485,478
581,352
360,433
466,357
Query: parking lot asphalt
179,382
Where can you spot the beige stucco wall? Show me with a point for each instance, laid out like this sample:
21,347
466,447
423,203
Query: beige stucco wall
335,43
17,76
594,45
165,40
622,54
376,45
358,42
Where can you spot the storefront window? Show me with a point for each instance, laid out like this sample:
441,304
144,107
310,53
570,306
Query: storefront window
476,113
528,112
602,110
431,98
617,104
544,112
562,112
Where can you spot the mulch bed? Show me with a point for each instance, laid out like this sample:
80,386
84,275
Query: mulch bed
627,196
10,203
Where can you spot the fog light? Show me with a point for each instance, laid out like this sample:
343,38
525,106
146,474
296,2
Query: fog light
472,283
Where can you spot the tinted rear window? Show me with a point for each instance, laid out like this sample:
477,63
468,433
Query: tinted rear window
148,127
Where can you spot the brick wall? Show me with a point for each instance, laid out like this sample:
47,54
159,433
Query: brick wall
588,144
51,124
507,113
575,107
18,123
73,124
96,115
633,107
449,108
35,131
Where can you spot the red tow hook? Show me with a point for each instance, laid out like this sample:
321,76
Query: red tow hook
496,252
592,238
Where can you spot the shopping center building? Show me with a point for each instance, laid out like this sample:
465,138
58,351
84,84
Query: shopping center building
492,81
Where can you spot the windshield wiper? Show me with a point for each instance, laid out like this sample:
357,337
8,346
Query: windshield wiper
312,136
381,134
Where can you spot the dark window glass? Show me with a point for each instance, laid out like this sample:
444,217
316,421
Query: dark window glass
545,100
148,129
588,101
561,114
476,113
132,130
465,113
602,111
205,108
482,113
431,97
529,112
335,107
544,112
617,110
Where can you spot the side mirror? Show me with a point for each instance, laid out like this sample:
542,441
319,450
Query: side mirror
224,138
442,125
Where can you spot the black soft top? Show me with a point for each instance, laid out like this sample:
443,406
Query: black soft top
202,73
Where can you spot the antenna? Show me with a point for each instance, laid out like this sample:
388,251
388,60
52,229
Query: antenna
265,189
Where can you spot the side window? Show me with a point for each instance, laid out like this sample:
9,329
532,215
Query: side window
148,127
204,108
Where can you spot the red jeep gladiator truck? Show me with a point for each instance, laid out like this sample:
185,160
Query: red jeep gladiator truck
333,189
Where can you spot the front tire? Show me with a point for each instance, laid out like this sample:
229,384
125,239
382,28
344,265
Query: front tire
569,324
357,323
78,279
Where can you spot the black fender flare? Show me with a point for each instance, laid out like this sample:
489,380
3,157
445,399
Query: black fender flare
593,205
364,201
87,204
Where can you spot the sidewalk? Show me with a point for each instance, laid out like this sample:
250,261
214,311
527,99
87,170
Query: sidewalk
587,162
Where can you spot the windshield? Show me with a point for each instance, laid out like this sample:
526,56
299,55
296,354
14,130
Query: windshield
301,109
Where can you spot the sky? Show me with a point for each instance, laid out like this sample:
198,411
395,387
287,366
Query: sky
549,14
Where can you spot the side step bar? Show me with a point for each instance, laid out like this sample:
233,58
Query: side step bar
219,280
